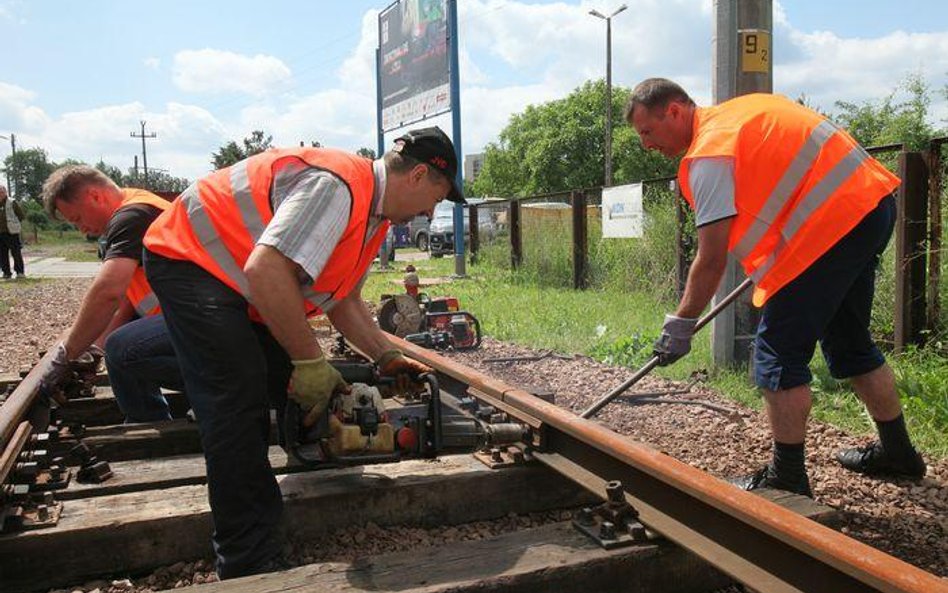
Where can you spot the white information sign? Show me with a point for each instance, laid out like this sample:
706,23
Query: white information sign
622,211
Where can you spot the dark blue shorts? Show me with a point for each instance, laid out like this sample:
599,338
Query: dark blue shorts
830,302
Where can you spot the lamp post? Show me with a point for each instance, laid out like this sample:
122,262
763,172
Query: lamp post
608,19
11,190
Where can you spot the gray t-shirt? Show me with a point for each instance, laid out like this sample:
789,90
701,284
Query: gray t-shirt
712,186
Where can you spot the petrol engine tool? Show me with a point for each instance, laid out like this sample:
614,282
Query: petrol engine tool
653,362
371,424
437,322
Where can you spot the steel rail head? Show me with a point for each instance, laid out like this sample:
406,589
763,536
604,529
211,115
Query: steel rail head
729,510
17,406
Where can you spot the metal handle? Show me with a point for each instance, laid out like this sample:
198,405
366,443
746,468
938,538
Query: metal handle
653,362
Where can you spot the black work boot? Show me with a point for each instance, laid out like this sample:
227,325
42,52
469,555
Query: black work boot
766,477
873,460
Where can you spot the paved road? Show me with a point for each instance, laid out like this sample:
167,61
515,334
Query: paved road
58,267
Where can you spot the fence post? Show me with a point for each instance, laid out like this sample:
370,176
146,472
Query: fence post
933,310
474,229
580,241
910,234
516,243
682,242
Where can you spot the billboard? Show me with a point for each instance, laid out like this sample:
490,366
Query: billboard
413,62
622,211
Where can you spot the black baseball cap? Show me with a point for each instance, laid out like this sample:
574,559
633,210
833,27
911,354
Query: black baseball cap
433,147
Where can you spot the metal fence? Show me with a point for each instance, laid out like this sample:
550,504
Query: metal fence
556,240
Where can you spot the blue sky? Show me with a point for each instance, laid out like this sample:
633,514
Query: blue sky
76,77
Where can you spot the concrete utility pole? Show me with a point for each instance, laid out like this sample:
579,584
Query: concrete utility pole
608,142
741,65
143,135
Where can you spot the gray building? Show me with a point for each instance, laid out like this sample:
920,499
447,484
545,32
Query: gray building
472,165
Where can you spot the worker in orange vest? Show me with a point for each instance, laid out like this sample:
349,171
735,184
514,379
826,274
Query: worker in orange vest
139,362
237,263
807,213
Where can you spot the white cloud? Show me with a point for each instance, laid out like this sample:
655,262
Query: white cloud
217,71
153,63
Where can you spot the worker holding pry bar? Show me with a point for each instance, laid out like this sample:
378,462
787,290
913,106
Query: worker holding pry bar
807,213
237,263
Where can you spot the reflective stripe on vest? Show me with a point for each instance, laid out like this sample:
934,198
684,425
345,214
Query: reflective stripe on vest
791,166
139,292
221,217
147,304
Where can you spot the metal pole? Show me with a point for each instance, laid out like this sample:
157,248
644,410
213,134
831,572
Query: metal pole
653,362
459,263
144,154
608,179
380,136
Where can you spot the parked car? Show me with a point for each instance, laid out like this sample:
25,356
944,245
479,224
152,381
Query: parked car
441,229
418,232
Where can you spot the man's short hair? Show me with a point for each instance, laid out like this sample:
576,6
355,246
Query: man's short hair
397,162
67,182
654,93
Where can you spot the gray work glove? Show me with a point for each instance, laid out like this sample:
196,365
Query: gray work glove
56,373
675,340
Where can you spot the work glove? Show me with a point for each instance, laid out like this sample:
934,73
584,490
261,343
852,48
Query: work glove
56,374
312,384
675,340
405,371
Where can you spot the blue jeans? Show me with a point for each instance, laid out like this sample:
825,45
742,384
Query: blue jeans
141,360
230,365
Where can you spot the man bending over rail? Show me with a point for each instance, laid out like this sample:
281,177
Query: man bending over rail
238,262
808,213
139,357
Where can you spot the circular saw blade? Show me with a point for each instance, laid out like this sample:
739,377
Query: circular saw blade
401,315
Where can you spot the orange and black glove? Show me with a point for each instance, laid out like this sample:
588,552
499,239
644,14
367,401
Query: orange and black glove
405,371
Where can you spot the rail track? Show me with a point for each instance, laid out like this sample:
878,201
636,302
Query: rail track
646,521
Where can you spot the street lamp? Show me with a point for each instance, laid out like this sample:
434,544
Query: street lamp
608,19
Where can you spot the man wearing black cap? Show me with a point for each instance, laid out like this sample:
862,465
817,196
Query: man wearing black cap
238,262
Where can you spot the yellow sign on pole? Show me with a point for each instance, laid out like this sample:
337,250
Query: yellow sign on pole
755,50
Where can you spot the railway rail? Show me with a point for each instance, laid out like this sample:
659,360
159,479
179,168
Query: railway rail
644,514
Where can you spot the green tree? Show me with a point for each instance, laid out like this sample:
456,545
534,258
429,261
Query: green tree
113,172
901,117
558,146
230,153
28,169
366,152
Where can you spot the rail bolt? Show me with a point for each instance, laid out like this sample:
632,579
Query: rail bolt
607,530
614,492
585,517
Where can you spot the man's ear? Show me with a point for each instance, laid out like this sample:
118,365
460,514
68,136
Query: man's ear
418,172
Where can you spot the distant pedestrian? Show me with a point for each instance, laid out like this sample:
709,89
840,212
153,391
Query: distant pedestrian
10,216
807,212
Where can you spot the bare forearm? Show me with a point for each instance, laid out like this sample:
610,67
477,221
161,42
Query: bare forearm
352,318
703,279
122,315
97,310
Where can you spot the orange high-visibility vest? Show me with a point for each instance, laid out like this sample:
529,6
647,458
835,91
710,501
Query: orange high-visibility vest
139,292
216,222
800,183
